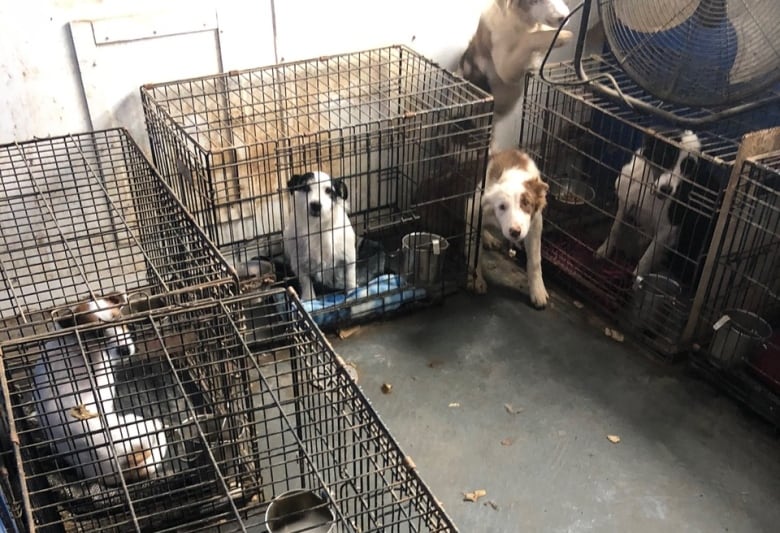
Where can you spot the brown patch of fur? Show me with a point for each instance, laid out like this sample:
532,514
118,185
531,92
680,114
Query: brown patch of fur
536,190
502,161
82,314
136,464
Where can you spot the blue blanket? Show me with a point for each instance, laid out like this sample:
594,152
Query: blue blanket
389,297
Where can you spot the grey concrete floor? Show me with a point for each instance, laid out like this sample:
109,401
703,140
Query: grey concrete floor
688,458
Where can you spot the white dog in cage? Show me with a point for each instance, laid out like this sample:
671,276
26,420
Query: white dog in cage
319,241
512,201
645,188
510,39
74,392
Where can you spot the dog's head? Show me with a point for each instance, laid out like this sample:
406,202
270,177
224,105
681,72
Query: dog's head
675,163
315,193
548,12
102,314
515,192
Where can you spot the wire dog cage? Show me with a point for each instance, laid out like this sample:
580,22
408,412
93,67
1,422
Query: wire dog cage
85,215
259,426
738,330
640,266
404,144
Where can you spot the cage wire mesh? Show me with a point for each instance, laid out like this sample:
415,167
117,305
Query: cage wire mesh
739,327
85,215
242,401
407,139
583,142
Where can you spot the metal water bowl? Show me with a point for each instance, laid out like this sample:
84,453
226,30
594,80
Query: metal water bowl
570,193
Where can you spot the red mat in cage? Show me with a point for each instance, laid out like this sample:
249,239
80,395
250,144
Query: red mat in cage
609,282
766,363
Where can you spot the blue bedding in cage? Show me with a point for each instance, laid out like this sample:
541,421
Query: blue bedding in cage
388,289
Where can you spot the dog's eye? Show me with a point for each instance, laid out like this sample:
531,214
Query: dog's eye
328,190
502,207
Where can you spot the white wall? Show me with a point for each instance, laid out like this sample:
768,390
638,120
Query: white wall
51,86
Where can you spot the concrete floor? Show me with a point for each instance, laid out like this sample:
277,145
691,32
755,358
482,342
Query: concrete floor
688,458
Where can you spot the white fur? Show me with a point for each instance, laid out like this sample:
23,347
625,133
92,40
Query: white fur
644,195
62,383
320,247
502,209
520,31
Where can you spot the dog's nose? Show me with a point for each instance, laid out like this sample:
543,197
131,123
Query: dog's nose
125,350
315,207
515,232
666,189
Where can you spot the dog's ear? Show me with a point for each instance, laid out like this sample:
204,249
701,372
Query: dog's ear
81,314
66,320
538,190
116,298
340,188
299,181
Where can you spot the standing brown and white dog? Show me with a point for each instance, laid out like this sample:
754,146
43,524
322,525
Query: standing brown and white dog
512,201
511,37
74,393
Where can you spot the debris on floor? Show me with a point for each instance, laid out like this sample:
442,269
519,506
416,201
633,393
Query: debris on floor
614,334
614,439
454,404
387,388
492,504
409,462
507,441
348,332
513,410
474,496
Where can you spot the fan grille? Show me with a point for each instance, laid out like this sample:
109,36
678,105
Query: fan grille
696,52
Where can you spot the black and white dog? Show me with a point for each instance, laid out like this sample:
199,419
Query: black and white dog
75,394
319,241
644,188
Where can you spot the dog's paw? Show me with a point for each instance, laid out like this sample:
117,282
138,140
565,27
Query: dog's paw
564,38
539,296
478,285
491,242
601,252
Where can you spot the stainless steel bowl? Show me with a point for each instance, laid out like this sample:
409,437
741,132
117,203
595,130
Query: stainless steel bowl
569,192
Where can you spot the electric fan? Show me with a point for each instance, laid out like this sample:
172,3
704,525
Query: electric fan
696,52
718,55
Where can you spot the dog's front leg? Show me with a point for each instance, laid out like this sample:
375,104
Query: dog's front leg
607,248
533,248
513,59
476,282
307,287
655,253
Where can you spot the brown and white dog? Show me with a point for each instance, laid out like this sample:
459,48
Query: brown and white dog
512,201
511,37
74,393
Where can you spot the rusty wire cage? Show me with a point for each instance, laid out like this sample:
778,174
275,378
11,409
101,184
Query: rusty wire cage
86,215
738,331
583,142
406,138
245,401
